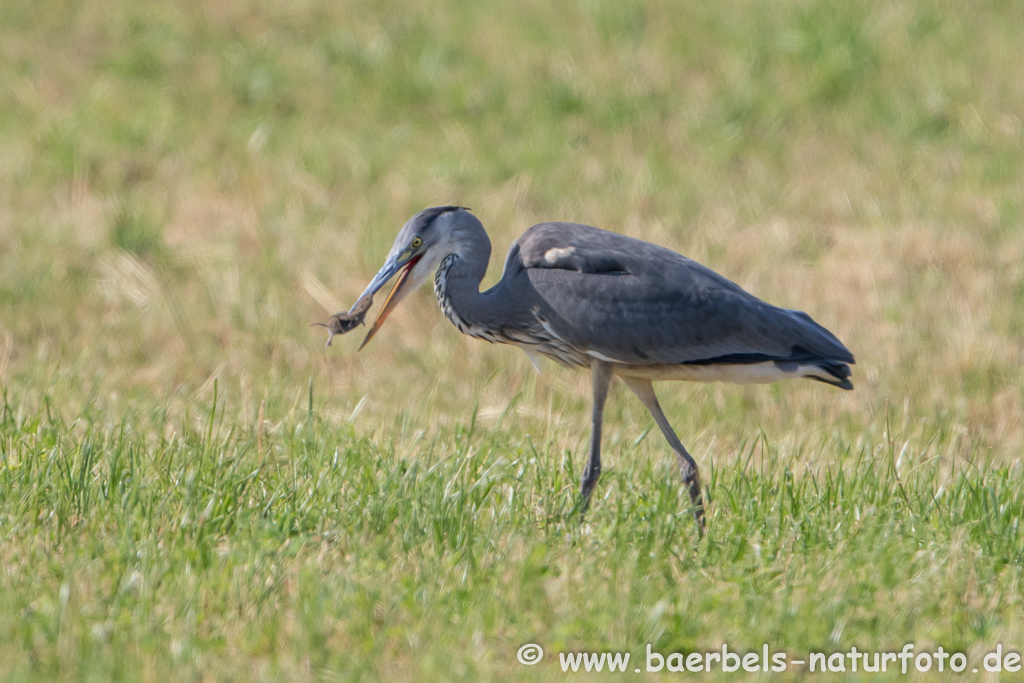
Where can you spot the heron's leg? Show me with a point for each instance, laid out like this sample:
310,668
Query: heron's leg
600,380
644,391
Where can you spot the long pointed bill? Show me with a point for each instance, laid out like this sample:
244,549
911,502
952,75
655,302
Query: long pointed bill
385,273
398,292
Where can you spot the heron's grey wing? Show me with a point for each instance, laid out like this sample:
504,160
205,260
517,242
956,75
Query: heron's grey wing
634,302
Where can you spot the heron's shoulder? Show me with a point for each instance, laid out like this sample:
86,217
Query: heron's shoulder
557,234
584,248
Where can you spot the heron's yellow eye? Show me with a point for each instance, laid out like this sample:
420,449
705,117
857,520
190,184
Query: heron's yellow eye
416,242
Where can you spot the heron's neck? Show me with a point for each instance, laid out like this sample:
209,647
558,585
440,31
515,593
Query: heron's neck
458,278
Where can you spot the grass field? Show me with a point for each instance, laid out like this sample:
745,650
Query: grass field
193,488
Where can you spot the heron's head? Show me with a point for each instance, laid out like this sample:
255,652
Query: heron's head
421,244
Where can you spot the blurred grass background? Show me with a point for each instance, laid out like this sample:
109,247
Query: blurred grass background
185,186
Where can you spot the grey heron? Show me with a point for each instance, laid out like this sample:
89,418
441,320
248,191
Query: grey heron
619,306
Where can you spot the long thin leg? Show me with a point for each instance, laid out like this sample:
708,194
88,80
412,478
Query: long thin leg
644,391
600,380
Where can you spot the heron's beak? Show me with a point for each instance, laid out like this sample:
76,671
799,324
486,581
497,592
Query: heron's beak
398,292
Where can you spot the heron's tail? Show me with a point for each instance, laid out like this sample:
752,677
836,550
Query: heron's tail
838,373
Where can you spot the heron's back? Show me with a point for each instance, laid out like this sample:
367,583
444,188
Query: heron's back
613,297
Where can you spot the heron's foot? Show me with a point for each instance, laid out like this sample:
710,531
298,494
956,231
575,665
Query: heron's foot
579,510
691,477
590,477
698,516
